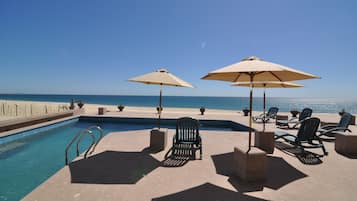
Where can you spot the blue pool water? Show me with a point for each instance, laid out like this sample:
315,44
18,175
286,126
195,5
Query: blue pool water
30,160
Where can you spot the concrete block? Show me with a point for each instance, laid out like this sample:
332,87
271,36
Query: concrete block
353,120
158,139
101,110
250,166
265,141
346,143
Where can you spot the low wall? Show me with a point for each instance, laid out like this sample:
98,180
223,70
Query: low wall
29,121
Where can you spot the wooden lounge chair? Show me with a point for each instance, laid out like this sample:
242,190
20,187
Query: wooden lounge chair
187,137
306,136
331,130
294,122
272,112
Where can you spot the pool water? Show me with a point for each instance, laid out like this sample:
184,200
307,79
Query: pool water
28,161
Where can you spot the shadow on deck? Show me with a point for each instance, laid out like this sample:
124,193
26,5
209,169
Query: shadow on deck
112,167
279,173
207,192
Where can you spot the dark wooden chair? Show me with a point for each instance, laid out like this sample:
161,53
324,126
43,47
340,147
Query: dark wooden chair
272,112
330,131
306,136
187,137
306,113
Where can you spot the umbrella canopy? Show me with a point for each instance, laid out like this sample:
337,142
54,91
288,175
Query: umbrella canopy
260,70
254,69
267,85
161,77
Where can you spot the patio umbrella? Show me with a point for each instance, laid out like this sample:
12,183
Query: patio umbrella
253,69
161,77
265,85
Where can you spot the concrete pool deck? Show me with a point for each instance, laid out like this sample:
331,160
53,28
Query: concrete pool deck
123,169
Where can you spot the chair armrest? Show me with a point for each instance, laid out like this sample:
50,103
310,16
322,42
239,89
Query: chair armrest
199,139
173,139
295,124
259,116
281,134
281,117
328,126
336,129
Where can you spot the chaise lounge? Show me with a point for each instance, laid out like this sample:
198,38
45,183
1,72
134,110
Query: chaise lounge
272,112
306,136
306,113
330,131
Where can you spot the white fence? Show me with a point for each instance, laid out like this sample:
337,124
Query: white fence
12,109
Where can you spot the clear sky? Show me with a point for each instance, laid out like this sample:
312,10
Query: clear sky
93,47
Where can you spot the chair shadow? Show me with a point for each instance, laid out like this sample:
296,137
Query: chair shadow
306,157
112,167
279,173
175,160
207,192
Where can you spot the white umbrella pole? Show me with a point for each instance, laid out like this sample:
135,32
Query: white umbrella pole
250,110
264,109
160,106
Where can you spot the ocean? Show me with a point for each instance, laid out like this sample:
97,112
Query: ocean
320,105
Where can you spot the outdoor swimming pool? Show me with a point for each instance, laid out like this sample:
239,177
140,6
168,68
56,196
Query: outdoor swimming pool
29,158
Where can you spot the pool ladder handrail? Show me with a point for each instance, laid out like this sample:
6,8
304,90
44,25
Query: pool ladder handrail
80,134
93,146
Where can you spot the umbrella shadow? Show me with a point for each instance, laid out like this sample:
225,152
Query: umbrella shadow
113,167
279,173
305,157
207,192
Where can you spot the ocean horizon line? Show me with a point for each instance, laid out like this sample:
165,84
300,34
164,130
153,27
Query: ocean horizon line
155,95
320,105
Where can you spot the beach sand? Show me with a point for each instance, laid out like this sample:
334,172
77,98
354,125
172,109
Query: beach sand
92,109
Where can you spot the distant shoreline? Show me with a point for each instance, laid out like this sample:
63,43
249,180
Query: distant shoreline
93,108
319,105
156,95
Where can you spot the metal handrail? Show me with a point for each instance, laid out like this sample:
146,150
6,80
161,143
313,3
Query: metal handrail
80,139
80,134
70,144
98,128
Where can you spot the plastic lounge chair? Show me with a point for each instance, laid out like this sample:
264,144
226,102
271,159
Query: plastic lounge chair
187,136
305,137
331,130
306,113
272,112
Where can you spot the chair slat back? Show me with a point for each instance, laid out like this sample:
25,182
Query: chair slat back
345,120
308,129
305,113
272,112
187,130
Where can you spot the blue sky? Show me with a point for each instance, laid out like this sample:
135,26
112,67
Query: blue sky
93,47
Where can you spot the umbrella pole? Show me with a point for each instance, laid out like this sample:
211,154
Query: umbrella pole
264,102
250,110
160,106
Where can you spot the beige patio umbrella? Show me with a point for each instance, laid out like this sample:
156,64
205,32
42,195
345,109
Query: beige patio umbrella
274,84
253,69
161,77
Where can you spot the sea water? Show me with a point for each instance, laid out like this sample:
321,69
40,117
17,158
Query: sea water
320,105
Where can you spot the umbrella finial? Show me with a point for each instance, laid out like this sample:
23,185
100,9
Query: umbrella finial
162,70
251,58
